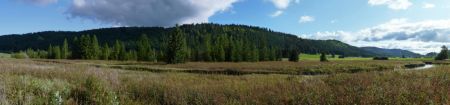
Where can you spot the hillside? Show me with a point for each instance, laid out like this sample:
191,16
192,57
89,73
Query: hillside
250,35
391,52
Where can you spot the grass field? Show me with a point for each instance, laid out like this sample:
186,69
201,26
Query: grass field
140,83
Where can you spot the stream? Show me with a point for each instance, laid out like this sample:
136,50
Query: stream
427,66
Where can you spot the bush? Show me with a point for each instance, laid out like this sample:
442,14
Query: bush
380,58
20,55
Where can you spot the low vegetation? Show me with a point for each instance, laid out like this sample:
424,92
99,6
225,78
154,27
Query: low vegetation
94,82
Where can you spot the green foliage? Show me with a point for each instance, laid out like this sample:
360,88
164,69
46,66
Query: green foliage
20,55
443,55
94,92
106,52
144,49
86,47
294,56
176,51
323,58
65,53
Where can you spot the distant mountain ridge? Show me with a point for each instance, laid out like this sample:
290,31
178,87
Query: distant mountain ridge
391,52
195,34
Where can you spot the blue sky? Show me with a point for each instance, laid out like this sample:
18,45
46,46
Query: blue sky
381,23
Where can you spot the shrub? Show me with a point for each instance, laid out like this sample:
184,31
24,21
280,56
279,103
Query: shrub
380,58
20,55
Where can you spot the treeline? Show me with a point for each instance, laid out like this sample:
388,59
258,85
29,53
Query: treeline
175,48
200,39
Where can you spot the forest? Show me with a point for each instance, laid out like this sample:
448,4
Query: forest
200,39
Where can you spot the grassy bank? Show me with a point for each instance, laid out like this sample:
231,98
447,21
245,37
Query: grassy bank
73,82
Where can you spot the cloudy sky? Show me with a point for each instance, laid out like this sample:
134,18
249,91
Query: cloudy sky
418,25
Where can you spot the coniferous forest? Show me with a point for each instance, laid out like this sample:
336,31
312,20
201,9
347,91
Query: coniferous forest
199,42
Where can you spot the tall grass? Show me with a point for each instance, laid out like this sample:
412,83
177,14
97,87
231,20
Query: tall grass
33,82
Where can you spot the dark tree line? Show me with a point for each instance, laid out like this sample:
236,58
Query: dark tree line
175,48
200,39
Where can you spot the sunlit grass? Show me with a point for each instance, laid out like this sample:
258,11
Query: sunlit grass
85,82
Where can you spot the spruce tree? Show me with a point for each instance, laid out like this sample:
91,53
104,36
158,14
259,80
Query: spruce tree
56,52
294,56
106,52
323,58
144,51
50,52
176,51
76,49
65,53
208,50
443,55
95,48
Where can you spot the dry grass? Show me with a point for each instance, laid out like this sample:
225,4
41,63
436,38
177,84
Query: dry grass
73,82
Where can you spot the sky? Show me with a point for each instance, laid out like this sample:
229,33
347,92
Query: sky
420,26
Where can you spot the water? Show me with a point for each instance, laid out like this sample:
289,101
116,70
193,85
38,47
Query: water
428,66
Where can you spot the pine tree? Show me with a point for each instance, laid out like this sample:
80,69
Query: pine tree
443,55
117,50
50,52
208,50
144,50
76,49
176,51
323,58
294,56
56,51
65,53
95,48
254,54
106,52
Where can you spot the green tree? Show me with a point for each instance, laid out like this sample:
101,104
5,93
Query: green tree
176,51
65,53
50,52
443,55
56,51
294,56
106,52
95,51
323,58
207,54
117,50
144,50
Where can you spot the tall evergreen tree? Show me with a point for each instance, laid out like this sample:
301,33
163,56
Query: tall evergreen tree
106,52
443,55
294,56
117,50
176,51
207,54
144,50
95,48
56,52
50,52
323,57
65,53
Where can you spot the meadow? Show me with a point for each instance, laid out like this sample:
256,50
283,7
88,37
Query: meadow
71,82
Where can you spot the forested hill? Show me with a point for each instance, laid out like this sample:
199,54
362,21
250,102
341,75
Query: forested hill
197,36
391,52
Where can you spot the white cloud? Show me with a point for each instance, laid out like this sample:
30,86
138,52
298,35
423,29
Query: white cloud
281,5
421,37
428,5
392,4
39,2
305,19
276,14
148,12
